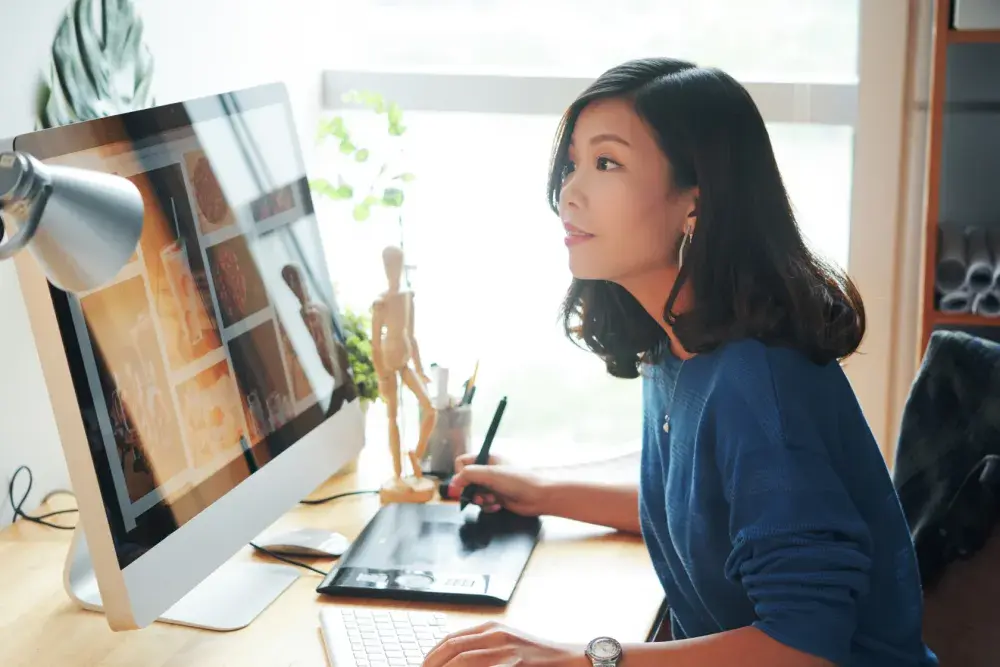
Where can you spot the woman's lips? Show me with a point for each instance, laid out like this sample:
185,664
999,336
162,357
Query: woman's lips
575,235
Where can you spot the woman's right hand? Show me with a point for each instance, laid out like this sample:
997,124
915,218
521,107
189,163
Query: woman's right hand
504,487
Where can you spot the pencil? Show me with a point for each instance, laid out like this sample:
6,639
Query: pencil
475,372
470,385
483,457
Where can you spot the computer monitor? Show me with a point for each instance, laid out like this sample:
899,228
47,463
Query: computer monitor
197,399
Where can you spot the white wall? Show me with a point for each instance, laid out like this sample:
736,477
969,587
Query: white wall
200,47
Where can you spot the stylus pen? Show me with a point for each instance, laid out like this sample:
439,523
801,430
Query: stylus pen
484,454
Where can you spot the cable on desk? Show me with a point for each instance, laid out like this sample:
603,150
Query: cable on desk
337,496
285,559
19,513
314,501
18,505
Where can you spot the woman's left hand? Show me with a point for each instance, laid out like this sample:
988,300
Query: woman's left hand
495,645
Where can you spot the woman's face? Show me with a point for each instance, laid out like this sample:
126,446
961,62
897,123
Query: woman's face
623,219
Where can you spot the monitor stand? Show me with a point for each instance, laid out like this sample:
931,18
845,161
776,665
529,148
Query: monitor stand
228,599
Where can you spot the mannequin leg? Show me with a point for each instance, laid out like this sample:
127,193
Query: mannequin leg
390,394
414,384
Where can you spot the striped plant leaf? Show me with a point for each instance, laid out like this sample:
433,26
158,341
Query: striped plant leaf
100,64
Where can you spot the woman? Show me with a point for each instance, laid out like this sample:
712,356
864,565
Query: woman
764,501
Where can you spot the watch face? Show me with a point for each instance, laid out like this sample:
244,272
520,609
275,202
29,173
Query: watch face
604,648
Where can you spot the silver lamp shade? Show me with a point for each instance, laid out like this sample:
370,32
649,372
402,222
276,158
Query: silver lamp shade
82,226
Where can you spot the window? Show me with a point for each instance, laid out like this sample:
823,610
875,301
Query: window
763,40
490,268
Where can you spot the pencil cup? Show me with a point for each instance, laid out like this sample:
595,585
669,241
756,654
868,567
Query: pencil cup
449,440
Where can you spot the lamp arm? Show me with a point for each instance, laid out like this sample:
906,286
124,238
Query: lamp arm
25,231
32,186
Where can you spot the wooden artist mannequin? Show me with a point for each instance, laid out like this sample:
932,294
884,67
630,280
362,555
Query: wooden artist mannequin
319,320
396,358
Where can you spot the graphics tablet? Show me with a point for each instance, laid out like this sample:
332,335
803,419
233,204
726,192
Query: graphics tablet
436,552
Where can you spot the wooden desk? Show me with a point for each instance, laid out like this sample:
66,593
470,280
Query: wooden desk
564,595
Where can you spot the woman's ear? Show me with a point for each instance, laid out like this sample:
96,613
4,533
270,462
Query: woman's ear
692,216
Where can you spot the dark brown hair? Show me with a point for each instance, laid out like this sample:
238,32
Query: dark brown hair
750,272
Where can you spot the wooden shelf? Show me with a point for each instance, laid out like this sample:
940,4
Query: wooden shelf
982,107
974,36
940,109
964,320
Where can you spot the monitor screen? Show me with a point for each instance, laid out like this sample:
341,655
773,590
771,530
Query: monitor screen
219,345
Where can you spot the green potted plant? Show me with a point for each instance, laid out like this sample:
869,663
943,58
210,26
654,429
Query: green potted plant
356,328
357,334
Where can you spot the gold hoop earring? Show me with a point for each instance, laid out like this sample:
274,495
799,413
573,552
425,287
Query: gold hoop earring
685,244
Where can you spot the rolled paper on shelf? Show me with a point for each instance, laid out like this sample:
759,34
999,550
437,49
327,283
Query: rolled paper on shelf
956,301
993,237
952,262
979,272
987,304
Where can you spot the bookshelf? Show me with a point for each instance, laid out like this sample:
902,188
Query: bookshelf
963,152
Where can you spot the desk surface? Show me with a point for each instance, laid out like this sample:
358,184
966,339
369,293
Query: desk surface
40,627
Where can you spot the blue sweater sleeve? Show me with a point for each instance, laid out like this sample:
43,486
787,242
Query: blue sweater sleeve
800,549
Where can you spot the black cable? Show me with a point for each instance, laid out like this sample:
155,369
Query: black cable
284,559
316,501
19,513
336,496
18,505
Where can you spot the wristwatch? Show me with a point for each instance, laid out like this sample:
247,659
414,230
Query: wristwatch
604,652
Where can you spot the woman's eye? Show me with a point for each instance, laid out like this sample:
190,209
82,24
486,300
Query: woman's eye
606,164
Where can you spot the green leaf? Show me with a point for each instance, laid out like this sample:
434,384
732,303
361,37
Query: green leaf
395,114
392,197
372,200
97,67
361,155
367,98
376,102
362,212
325,188
405,177
396,130
322,187
346,147
337,128
332,127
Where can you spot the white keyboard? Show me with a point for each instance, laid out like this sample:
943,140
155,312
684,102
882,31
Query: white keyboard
360,637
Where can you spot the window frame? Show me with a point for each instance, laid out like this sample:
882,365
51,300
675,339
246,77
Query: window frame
818,103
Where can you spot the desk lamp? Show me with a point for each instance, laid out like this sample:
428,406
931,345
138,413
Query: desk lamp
81,226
